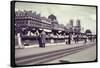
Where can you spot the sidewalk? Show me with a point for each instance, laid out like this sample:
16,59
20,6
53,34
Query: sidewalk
37,50
50,44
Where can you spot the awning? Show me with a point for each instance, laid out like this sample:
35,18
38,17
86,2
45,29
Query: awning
59,32
47,30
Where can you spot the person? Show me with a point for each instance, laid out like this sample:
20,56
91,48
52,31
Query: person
91,38
85,39
39,39
43,38
75,37
69,39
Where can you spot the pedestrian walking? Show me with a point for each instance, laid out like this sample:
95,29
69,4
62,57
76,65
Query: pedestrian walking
85,39
39,39
75,38
69,39
43,38
91,38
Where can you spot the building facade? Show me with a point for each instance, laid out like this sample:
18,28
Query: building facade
27,23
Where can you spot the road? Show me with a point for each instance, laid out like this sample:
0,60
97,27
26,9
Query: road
45,58
88,54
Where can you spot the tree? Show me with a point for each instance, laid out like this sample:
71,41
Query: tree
88,32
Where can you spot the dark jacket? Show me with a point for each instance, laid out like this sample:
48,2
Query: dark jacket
43,37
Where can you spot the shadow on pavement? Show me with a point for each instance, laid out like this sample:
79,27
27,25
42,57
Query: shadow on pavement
64,61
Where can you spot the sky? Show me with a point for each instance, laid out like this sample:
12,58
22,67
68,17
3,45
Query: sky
64,13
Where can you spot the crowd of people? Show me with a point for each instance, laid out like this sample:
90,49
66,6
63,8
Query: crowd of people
41,37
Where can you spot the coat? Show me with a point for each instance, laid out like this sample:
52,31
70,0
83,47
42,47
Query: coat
43,37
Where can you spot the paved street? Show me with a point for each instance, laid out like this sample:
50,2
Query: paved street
55,53
29,50
85,55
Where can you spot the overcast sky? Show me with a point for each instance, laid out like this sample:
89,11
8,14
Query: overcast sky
64,13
